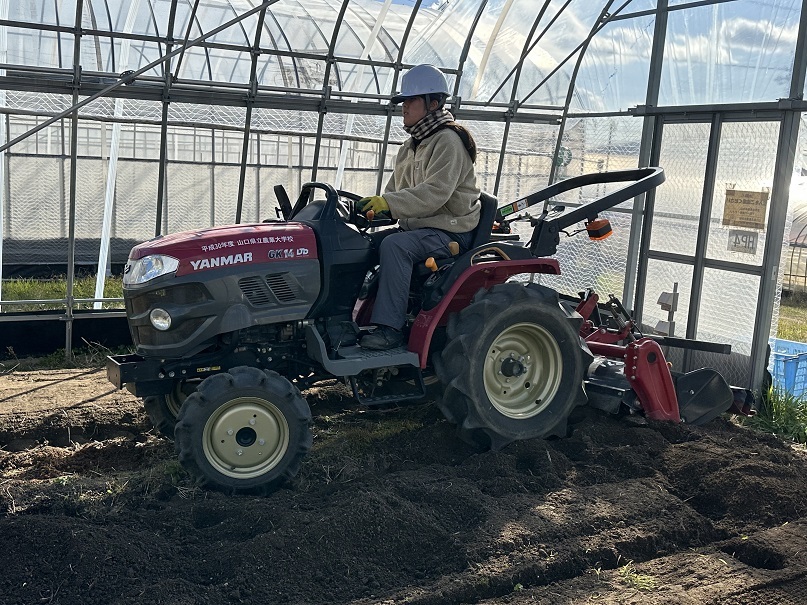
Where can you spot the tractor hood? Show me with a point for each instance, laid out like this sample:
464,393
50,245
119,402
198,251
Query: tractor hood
216,247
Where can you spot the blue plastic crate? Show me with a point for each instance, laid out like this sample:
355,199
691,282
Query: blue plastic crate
789,366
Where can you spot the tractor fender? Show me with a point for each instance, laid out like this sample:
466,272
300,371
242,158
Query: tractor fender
236,317
479,276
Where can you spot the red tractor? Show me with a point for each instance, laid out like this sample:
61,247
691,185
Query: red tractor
231,322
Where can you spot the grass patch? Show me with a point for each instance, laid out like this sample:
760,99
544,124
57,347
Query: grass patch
56,289
793,318
630,577
782,414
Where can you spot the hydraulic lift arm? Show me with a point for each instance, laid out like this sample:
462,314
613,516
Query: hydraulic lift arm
546,235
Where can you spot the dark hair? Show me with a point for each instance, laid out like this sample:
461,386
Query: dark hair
466,137
435,96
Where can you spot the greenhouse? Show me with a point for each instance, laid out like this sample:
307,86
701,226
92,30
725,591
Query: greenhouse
123,121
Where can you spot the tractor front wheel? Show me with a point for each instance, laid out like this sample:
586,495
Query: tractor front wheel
163,410
245,431
513,366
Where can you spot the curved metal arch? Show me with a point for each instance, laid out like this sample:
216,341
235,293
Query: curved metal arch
396,72
191,19
96,37
466,49
58,32
243,31
330,56
528,46
157,31
253,89
111,46
519,66
241,23
325,86
604,19
353,31
280,57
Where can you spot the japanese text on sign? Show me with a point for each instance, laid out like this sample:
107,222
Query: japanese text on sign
745,209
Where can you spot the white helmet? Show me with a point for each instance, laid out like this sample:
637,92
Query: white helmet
422,80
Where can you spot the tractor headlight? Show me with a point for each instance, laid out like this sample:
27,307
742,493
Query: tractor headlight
149,267
160,319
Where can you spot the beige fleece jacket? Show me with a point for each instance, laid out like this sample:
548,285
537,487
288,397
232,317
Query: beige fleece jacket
434,185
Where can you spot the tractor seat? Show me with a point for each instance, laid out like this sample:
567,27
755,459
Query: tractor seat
481,234
486,215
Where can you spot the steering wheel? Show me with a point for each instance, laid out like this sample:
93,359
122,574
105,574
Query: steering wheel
348,210
338,204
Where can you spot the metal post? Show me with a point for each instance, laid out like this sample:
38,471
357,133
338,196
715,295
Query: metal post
647,225
213,178
3,137
326,88
162,167
785,159
104,255
71,216
645,145
258,178
253,91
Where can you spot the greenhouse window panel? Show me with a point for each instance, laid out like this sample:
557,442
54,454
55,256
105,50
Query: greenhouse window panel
729,52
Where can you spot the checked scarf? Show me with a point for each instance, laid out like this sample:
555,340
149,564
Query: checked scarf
429,124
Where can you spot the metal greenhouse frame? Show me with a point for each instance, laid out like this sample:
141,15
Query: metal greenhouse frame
126,120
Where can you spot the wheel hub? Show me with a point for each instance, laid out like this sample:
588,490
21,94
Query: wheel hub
246,437
512,367
522,370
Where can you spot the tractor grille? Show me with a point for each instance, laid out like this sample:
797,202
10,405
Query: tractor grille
283,288
276,287
186,294
255,291
148,336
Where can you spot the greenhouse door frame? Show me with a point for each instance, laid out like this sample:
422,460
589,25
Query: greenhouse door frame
787,113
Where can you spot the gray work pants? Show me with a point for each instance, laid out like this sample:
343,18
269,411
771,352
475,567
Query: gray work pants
398,253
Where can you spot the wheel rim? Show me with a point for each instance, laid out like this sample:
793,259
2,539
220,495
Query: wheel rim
175,399
246,437
522,372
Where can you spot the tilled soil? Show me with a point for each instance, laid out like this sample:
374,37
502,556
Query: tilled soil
391,507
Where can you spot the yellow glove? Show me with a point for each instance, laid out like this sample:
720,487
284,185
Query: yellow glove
376,203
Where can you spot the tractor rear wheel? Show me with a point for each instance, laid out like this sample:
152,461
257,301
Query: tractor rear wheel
163,410
245,431
513,366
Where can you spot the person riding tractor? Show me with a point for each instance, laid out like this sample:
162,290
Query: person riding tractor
432,193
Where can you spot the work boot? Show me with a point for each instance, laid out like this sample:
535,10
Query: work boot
382,338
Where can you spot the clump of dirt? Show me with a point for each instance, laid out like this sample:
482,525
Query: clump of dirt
390,506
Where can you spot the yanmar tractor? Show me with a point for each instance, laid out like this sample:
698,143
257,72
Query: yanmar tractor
231,322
